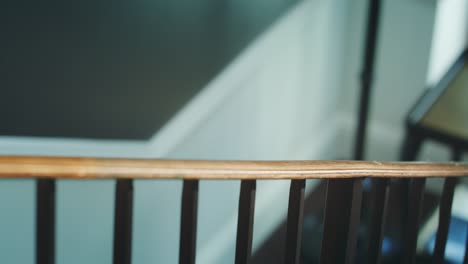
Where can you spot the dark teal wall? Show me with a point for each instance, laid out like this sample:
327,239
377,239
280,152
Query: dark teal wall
115,69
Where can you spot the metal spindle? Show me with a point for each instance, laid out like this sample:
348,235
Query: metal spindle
295,221
410,235
123,222
188,222
354,221
245,221
45,221
456,156
444,219
465,261
379,200
341,223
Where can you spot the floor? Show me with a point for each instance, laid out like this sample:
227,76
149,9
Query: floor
272,250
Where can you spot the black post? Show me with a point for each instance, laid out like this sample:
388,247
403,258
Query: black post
123,216
341,221
245,221
445,213
367,75
295,221
188,222
45,221
379,200
411,227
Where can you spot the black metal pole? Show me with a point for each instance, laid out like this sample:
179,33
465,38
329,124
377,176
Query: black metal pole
123,217
45,221
366,76
245,221
188,222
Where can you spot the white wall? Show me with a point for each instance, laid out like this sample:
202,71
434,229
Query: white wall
285,97
277,100
449,38
288,117
402,59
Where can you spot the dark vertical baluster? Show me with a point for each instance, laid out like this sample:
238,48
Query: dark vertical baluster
341,223
409,152
444,219
410,235
45,221
354,221
123,222
245,221
377,222
404,193
188,222
456,156
465,261
295,221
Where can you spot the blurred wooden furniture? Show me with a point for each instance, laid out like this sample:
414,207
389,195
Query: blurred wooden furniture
441,114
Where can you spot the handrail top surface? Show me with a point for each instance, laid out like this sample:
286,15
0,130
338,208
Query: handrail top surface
116,168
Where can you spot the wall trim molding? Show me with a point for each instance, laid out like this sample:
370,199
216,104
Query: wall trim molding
266,206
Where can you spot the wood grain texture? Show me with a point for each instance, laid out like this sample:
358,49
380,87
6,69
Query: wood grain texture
98,168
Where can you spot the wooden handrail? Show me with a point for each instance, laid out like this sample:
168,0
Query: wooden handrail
99,168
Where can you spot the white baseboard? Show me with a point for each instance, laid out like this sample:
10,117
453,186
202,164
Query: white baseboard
383,141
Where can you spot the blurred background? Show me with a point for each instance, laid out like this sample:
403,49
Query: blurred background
241,80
